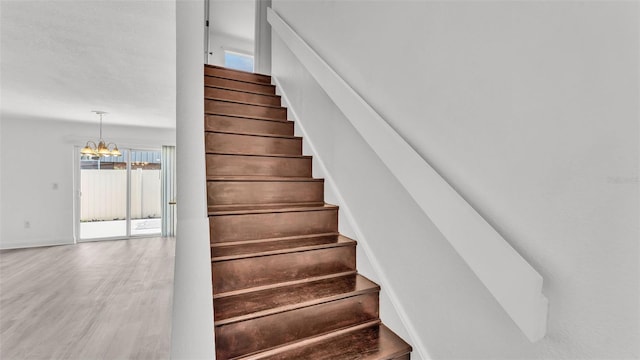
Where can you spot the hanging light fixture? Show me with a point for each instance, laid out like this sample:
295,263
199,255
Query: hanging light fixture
103,149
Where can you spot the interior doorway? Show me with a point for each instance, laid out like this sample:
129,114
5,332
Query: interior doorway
120,197
231,31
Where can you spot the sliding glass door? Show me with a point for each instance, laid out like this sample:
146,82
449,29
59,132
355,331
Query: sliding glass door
120,196
103,197
145,193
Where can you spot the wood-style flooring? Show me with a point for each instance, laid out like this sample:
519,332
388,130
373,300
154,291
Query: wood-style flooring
98,300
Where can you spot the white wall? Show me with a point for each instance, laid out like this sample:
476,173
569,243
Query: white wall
232,27
192,321
529,110
262,52
37,167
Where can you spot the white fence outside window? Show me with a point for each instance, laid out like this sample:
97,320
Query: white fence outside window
104,194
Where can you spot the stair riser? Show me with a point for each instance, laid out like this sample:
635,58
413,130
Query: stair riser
263,192
231,275
235,109
246,125
237,75
266,332
232,95
258,145
229,165
228,228
221,251
239,85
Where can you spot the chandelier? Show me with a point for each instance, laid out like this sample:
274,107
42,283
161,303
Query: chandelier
103,149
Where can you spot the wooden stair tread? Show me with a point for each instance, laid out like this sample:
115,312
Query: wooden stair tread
283,284
213,113
370,343
241,80
262,155
267,206
259,87
210,112
270,247
244,102
246,116
242,91
274,300
254,154
239,72
254,134
266,248
217,91
283,238
273,210
238,108
263,178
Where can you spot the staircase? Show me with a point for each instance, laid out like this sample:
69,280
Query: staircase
285,284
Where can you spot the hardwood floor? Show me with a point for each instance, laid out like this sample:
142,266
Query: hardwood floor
99,300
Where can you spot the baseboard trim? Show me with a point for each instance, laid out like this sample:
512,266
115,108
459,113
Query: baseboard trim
35,244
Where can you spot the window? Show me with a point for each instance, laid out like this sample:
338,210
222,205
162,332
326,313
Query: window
120,196
238,61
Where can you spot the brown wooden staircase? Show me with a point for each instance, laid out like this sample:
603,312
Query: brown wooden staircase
285,284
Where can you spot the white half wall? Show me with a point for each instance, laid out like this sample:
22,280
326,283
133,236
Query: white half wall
192,321
530,111
37,167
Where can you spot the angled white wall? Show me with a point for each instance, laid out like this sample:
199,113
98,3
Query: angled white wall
530,111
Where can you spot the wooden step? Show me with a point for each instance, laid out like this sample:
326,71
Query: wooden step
247,125
285,283
365,342
267,207
239,85
241,96
242,225
252,144
321,309
241,191
220,71
239,249
277,299
259,268
234,108
219,164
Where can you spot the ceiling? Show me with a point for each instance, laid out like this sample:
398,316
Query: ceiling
62,59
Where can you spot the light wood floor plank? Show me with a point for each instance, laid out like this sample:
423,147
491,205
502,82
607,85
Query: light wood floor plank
99,300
